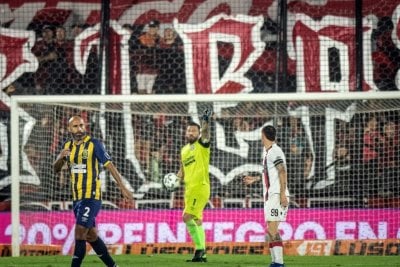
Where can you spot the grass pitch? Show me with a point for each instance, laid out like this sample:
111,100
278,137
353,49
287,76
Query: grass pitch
169,260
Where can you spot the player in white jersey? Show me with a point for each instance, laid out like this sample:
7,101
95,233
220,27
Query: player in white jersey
276,193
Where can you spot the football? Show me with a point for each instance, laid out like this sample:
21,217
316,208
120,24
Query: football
171,181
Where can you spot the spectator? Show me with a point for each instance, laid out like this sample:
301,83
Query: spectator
159,143
342,160
386,57
87,83
170,58
77,28
296,155
240,124
170,39
151,38
90,84
133,44
371,144
145,56
144,127
44,50
173,126
389,160
14,88
64,63
61,34
74,79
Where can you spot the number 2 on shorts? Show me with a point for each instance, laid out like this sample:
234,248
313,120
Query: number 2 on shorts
86,213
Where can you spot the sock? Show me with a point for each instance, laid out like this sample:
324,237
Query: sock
193,230
202,235
79,253
101,250
277,248
271,251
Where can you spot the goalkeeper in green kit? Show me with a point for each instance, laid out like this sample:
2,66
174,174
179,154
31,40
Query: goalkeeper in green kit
195,160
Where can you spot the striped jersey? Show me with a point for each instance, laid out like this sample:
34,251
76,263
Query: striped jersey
84,163
272,157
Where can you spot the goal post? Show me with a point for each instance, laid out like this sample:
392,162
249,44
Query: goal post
336,177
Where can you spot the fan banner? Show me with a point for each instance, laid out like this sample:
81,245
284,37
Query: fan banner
246,18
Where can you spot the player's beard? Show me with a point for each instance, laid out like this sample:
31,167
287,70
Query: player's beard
191,139
78,136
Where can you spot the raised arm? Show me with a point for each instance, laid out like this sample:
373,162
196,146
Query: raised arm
205,130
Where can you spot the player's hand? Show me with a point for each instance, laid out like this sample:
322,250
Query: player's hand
206,115
126,193
248,180
64,154
284,201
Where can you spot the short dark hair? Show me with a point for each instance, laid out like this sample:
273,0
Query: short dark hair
80,25
269,132
48,27
192,123
154,23
127,26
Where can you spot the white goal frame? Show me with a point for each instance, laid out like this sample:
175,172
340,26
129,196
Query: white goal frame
17,100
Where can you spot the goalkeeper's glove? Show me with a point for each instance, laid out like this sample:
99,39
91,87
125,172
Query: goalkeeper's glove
206,115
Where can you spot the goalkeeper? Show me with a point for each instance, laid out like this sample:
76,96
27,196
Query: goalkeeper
195,160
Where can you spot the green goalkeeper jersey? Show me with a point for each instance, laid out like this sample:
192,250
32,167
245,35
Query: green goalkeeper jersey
195,161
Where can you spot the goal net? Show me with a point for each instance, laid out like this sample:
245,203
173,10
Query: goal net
342,159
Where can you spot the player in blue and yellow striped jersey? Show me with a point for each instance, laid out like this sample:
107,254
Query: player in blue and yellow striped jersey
84,157
194,170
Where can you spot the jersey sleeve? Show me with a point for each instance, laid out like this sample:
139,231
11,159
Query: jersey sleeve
277,157
101,153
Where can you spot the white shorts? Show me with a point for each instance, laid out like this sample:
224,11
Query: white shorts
273,211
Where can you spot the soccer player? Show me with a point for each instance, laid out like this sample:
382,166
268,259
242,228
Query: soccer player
83,156
276,193
194,170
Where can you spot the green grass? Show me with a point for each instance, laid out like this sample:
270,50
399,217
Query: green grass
168,260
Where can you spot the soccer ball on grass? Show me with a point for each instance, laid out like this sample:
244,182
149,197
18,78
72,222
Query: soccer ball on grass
171,182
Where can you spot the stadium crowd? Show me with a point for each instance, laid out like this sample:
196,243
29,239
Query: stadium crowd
366,159
157,61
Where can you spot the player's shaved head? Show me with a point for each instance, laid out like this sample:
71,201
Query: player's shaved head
74,118
76,126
